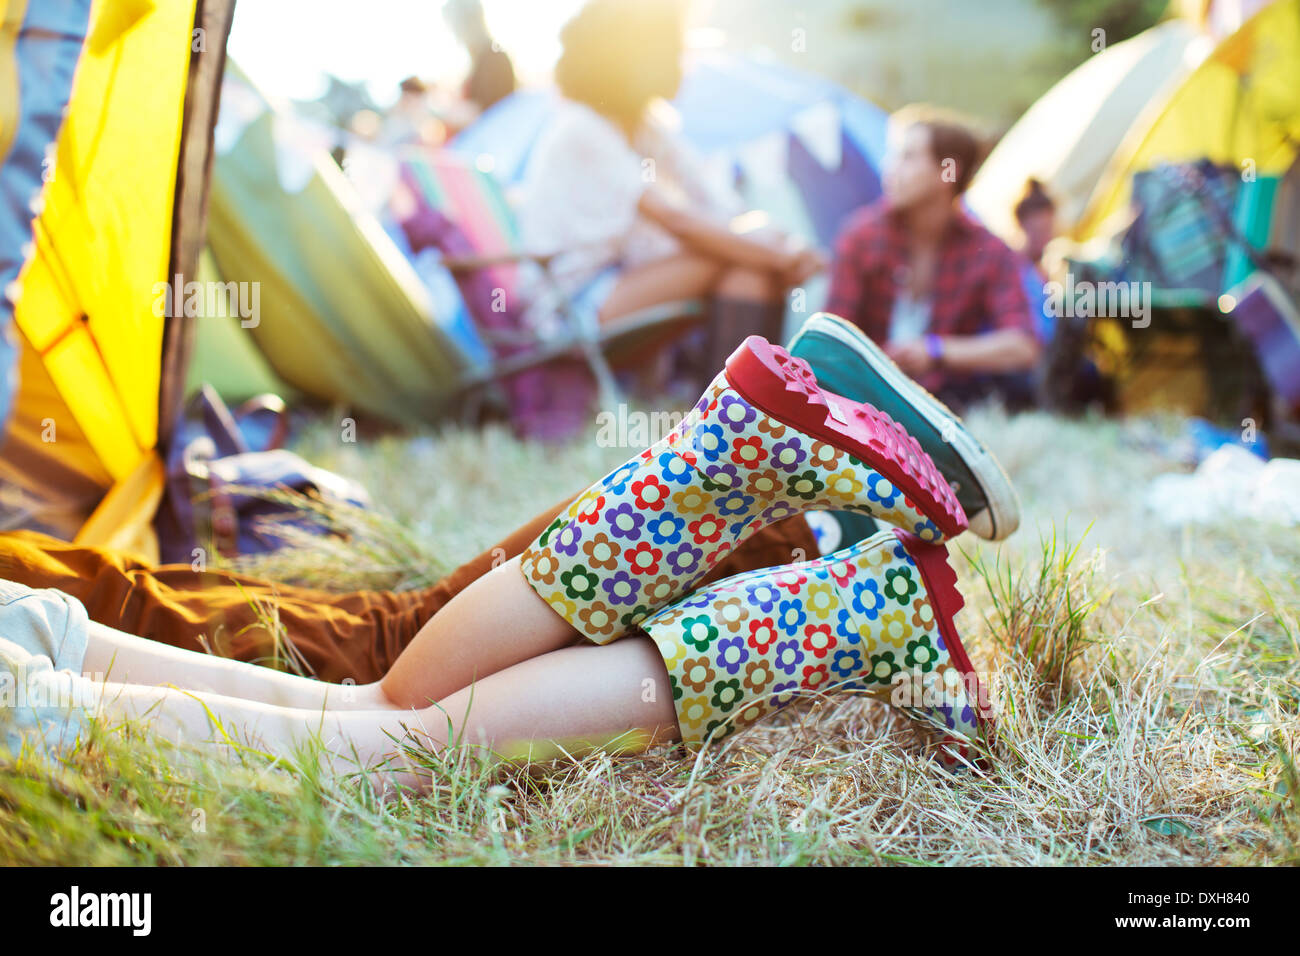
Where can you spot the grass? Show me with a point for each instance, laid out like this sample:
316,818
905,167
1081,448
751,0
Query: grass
1146,679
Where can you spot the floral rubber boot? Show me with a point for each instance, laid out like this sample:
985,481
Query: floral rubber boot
875,618
763,443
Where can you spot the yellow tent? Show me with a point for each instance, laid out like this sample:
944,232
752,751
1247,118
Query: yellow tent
1240,107
1068,136
1219,18
101,367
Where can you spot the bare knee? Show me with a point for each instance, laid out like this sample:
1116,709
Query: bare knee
750,285
371,696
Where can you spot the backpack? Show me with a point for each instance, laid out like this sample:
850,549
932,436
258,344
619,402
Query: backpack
214,452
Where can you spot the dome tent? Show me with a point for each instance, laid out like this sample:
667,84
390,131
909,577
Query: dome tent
1067,138
1240,107
120,95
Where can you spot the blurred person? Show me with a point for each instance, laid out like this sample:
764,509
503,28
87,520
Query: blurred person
491,76
1069,379
940,293
613,189
1035,214
411,119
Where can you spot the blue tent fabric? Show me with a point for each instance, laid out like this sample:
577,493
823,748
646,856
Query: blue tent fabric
832,196
507,131
47,47
1036,293
727,102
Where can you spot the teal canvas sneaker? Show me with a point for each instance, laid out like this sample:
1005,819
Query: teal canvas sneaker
848,363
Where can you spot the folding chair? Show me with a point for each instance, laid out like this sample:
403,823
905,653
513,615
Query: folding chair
487,245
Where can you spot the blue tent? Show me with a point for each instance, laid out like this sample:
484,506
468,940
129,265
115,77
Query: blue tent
827,142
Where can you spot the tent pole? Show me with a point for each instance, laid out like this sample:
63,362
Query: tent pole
190,209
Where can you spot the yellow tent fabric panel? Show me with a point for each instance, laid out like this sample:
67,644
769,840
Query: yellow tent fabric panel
81,442
1068,137
11,21
124,519
49,473
1242,103
102,238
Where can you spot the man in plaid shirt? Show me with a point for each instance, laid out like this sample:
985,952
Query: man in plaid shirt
941,294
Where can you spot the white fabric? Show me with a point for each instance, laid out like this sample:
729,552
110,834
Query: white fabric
43,635
910,318
579,194
581,189
1231,483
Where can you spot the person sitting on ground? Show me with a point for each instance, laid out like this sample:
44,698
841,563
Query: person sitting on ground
614,190
1035,213
938,291
1069,379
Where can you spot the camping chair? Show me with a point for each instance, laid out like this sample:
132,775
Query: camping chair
488,246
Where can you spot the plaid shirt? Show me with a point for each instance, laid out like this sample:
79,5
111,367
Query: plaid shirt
977,285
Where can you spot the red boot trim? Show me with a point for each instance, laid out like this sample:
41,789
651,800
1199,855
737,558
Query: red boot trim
783,386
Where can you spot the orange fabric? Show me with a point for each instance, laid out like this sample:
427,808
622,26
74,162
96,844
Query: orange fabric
357,635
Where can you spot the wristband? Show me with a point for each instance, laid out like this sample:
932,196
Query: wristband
934,347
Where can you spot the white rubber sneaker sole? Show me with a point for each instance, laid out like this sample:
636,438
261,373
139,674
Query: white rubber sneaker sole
1001,515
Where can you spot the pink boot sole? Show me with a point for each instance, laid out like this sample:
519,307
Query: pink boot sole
784,387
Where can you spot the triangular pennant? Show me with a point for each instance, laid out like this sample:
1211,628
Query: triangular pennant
763,160
818,128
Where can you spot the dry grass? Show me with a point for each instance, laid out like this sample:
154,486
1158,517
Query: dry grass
1146,680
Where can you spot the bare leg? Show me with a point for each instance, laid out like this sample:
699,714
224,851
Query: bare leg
582,697
352,741
687,276
127,659
684,276
496,622
578,698
748,285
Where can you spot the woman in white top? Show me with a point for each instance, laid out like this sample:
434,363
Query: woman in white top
622,200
